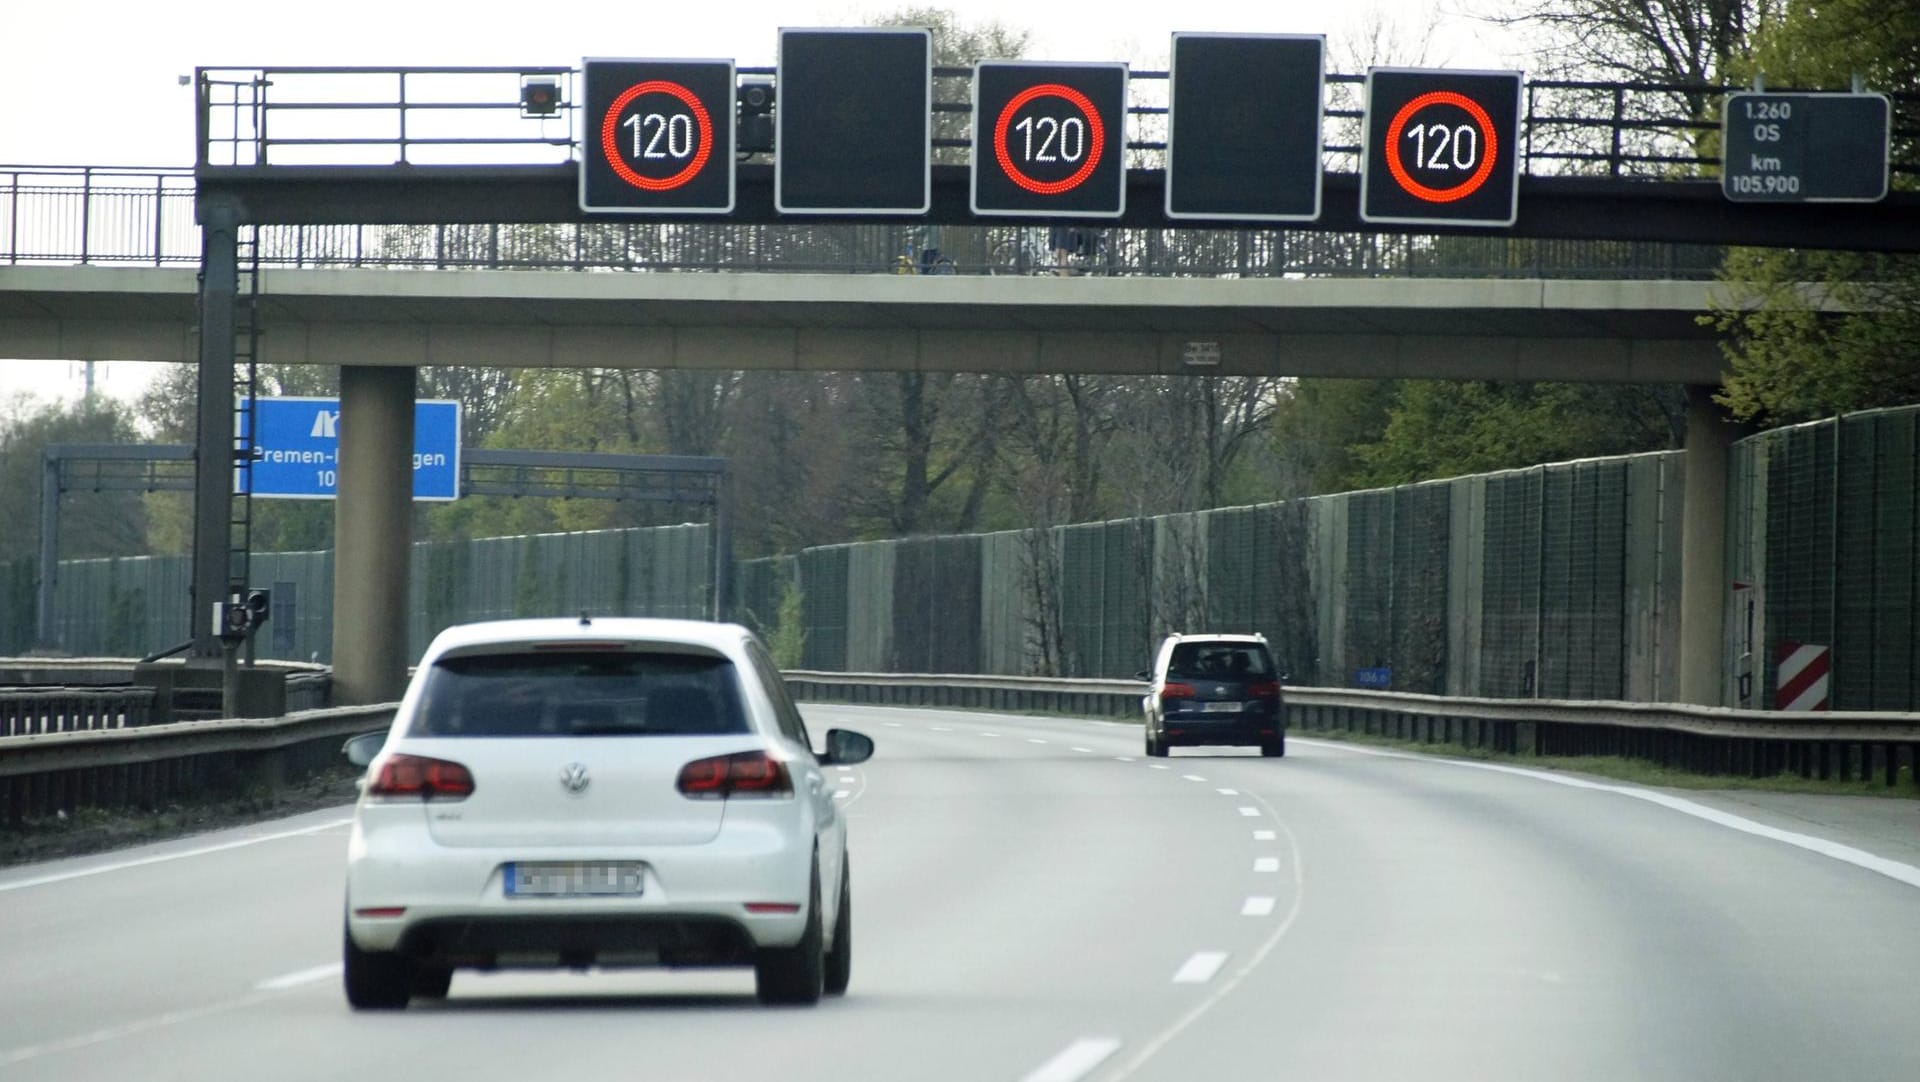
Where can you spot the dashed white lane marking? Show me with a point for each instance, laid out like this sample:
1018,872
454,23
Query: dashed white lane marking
1200,968
141,862
1035,740
942,729
299,977
1249,811
1193,777
1226,985
1075,1060
1846,854
1084,751
1263,835
1259,905
1123,759
987,734
1228,792
893,725
124,1029
1266,864
842,794
1158,766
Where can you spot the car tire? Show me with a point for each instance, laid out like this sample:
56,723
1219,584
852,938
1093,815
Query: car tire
1156,746
840,956
795,975
376,980
1274,749
432,982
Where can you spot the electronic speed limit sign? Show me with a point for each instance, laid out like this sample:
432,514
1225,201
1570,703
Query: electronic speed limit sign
1049,140
1441,147
658,137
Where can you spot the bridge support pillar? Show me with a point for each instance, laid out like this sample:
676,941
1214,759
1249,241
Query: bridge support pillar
1703,546
373,534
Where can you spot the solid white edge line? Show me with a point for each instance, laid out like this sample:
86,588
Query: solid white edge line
1258,905
141,862
1200,968
299,977
1846,854
1074,1061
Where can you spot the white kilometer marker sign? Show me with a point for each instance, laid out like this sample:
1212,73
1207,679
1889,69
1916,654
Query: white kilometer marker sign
1200,968
1257,906
1266,864
1074,1061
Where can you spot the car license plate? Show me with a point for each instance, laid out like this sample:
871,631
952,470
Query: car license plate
574,879
1221,708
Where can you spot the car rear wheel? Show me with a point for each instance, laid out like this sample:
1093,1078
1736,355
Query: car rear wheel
840,955
797,974
1274,749
376,980
1156,746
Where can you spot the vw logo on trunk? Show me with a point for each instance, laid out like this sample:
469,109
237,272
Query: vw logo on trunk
573,778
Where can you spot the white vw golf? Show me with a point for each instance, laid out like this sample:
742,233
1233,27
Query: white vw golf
597,792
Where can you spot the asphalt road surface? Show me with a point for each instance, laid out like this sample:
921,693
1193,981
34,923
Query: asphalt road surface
1035,902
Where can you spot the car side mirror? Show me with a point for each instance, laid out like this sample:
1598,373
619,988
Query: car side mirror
846,747
362,749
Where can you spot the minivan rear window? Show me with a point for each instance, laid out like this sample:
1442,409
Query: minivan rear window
1219,660
585,693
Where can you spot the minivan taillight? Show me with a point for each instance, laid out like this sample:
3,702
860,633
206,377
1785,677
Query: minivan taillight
416,776
743,774
1174,691
1266,689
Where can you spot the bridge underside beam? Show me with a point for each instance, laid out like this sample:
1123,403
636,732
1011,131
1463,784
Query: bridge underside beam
1592,208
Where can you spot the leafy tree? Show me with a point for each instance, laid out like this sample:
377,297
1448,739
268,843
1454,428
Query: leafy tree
91,524
1813,333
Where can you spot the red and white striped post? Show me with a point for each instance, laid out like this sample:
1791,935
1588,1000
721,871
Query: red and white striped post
1803,672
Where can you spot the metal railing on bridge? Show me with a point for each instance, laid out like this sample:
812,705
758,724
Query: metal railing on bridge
55,215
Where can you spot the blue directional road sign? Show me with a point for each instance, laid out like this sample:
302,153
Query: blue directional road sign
297,451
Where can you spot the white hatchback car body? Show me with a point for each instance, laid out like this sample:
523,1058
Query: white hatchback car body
605,792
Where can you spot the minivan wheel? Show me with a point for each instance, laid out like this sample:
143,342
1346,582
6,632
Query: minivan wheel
1156,746
795,975
1274,749
376,980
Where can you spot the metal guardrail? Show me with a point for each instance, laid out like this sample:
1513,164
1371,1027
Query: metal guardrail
148,765
142,765
31,711
1698,739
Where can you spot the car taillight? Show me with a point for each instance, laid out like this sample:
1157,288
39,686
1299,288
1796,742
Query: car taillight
405,776
743,774
1269,689
1177,691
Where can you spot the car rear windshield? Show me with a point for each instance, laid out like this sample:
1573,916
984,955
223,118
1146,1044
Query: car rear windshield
585,693
1219,660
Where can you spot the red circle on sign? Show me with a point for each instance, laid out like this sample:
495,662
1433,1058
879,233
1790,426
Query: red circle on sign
610,126
1466,187
1096,138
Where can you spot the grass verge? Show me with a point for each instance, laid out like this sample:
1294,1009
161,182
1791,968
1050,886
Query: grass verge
1634,771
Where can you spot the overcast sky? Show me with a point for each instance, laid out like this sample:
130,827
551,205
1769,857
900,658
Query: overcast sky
96,82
